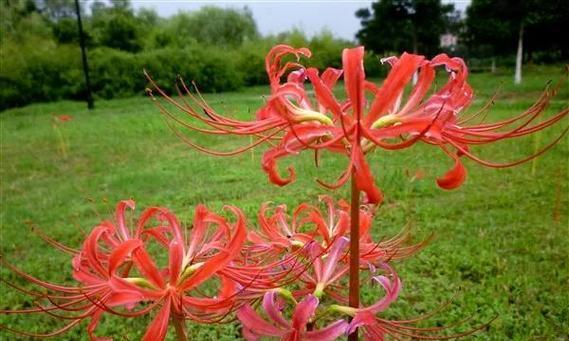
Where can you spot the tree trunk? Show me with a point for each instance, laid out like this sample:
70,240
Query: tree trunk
493,66
519,56
415,51
90,103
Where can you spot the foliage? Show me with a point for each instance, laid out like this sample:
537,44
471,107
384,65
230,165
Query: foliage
211,68
492,27
405,25
218,48
38,71
117,27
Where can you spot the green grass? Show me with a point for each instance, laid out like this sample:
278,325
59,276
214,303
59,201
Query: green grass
501,239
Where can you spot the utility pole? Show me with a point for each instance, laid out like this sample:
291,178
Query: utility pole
90,103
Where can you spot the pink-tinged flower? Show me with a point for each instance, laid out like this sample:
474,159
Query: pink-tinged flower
375,328
328,268
370,116
336,222
255,326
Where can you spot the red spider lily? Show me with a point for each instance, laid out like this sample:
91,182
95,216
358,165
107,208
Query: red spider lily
369,117
254,326
115,269
280,231
436,120
376,328
64,118
190,264
327,271
336,223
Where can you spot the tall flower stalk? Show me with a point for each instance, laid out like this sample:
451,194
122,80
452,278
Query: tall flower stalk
369,117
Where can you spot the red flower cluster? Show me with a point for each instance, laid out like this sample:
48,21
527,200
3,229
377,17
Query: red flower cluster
366,118
294,264
297,265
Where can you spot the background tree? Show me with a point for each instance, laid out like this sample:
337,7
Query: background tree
117,26
226,27
405,25
22,21
505,27
54,10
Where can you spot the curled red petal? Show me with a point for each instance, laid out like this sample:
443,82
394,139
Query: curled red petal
354,77
148,267
393,85
224,256
270,167
273,61
120,211
454,177
176,256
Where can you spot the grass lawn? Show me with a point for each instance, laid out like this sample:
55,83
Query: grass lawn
501,240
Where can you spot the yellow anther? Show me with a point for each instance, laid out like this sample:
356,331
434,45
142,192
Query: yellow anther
304,115
141,282
385,121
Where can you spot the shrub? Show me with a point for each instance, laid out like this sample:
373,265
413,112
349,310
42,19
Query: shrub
212,69
115,73
250,59
38,71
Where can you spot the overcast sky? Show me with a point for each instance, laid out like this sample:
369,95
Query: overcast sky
277,16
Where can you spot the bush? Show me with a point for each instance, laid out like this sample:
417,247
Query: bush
48,72
250,59
44,71
115,73
327,51
38,71
120,74
373,65
212,69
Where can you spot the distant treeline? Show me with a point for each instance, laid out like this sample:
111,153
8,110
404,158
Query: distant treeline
488,29
219,49
222,50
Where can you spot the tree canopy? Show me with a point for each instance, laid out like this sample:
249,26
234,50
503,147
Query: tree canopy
405,25
492,27
218,48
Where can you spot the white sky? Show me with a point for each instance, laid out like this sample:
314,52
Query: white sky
311,16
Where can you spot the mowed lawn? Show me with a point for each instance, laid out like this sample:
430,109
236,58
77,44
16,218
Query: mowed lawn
501,240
